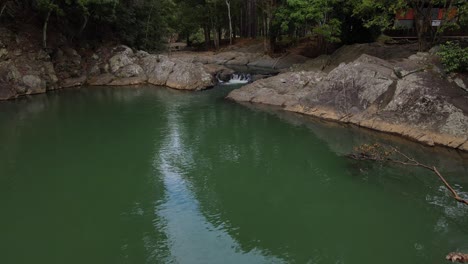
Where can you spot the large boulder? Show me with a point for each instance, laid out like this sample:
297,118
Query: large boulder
125,67
24,68
157,68
407,97
189,76
123,57
282,90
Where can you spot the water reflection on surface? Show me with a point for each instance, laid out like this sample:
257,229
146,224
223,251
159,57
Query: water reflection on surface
153,175
191,238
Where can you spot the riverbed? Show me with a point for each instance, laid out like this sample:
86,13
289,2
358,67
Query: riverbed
153,175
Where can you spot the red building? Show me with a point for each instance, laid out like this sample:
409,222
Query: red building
405,23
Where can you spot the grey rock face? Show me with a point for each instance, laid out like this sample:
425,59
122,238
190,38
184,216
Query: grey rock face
420,105
282,90
189,76
157,68
128,68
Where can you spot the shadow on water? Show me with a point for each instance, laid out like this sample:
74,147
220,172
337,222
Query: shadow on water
153,175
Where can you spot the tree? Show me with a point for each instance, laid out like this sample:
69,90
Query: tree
381,13
391,155
316,13
228,4
48,7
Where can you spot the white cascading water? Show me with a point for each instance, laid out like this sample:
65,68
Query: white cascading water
238,79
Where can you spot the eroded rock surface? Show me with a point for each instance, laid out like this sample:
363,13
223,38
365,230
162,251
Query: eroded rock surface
409,97
124,67
24,69
28,69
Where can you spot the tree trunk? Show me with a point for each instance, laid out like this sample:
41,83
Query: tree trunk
206,31
228,4
83,26
147,26
220,35
266,47
423,18
3,9
44,30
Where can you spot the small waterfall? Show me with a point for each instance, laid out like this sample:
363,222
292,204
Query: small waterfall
238,78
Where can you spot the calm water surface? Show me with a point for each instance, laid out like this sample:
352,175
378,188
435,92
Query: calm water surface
152,175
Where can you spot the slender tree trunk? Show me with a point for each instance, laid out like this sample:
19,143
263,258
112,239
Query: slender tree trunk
44,30
254,19
248,19
266,47
423,17
220,35
207,36
3,9
83,26
447,7
215,35
241,24
228,4
147,26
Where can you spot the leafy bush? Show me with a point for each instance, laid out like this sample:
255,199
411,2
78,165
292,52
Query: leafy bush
454,58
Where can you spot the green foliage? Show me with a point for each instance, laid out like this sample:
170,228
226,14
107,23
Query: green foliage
329,31
145,25
46,6
316,13
453,57
379,13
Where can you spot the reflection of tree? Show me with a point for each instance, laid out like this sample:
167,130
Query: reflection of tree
266,183
193,237
78,167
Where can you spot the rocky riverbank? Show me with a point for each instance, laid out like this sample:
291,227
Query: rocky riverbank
386,88
411,97
27,69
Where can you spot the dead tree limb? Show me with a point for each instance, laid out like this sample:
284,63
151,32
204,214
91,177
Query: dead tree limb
382,153
457,257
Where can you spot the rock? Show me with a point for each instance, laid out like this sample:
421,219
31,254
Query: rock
352,88
434,50
457,257
141,54
17,52
102,79
72,82
317,64
349,53
121,59
129,81
34,84
189,76
420,105
239,61
3,54
460,83
157,68
263,62
94,70
278,63
130,70
281,90
218,71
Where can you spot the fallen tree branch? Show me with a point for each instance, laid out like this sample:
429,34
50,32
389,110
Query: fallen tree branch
381,153
457,257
